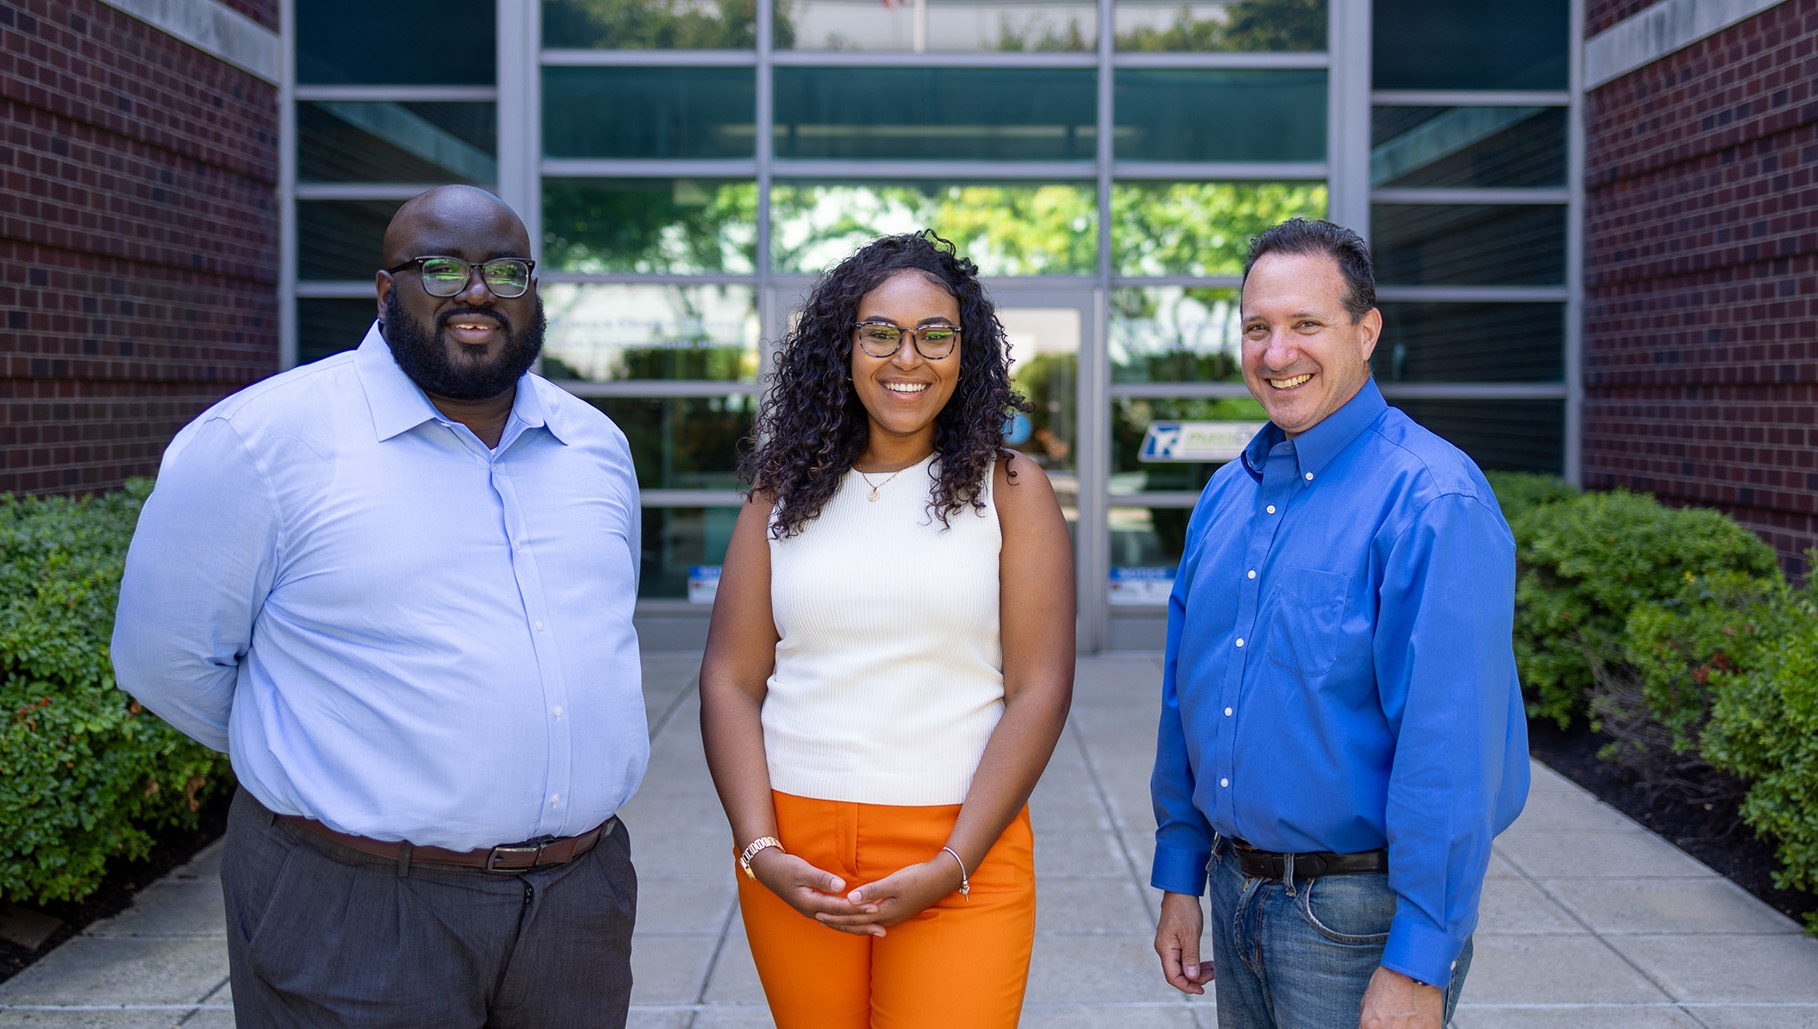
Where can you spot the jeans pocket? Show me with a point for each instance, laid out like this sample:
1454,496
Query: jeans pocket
1350,909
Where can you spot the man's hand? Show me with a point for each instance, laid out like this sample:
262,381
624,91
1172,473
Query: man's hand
1177,943
1394,1001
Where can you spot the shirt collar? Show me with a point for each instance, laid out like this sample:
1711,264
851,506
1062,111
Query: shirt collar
1315,448
399,406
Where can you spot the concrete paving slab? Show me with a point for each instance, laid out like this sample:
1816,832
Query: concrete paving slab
1513,905
658,1018
170,907
1721,968
735,978
1106,970
1711,904
1123,1016
734,1018
1621,853
1757,1016
114,1019
1080,857
1542,779
1565,810
206,864
1500,867
122,970
1603,1016
684,907
1090,907
1562,969
670,969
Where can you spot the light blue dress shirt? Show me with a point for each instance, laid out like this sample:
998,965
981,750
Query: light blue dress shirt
1339,674
388,626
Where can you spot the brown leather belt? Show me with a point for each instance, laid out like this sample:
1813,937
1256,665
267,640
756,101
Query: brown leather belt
1270,864
510,857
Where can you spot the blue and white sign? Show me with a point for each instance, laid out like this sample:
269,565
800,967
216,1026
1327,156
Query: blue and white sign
703,583
1141,585
1197,441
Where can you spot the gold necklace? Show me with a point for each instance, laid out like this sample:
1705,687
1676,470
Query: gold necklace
872,496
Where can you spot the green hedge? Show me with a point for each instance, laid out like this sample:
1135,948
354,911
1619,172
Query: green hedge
85,774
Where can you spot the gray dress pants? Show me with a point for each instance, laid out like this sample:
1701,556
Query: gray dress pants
319,934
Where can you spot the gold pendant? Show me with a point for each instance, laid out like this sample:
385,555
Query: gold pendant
872,496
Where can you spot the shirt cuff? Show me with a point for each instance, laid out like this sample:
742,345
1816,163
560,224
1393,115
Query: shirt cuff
1178,870
1418,950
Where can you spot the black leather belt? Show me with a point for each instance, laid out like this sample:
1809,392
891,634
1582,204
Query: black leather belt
1273,864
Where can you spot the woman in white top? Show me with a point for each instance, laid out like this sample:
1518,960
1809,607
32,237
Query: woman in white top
891,657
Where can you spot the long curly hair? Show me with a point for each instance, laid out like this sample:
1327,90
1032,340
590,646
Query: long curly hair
811,427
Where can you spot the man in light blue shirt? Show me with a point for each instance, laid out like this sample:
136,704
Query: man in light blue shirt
396,586
1342,731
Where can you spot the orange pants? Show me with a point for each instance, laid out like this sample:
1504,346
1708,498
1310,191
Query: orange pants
961,964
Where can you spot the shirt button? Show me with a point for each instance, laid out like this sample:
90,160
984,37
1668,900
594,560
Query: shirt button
558,711
1271,508
517,544
539,626
1252,573
1240,641
555,799
1309,476
1224,782
1227,712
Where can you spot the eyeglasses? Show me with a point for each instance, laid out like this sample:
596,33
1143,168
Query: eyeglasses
505,277
883,339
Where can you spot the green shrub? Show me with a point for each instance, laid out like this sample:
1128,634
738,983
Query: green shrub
1764,727
1520,492
1585,563
84,772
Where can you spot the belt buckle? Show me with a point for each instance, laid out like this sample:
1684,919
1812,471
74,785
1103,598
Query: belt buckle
532,847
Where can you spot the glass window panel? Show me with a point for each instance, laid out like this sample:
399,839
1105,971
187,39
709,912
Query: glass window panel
1488,44
671,226
651,24
649,112
1006,228
357,141
399,42
937,25
1468,244
1200,228
1146,545
1175,334
1221,25
327,327
1441,342
1468,146
683,442
1130,421
1500,435
342,239
1003,114
1223,115
678,540
609,333
1044,368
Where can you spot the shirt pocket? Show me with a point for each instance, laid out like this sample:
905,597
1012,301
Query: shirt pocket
1309,612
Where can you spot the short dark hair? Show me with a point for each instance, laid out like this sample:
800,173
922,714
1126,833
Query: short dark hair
1346,249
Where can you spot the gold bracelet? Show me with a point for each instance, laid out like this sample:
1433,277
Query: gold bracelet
965,890
758,846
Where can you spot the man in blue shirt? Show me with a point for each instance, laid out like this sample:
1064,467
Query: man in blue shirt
1342,732
396,586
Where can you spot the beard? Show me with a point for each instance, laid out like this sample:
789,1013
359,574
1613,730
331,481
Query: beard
425,358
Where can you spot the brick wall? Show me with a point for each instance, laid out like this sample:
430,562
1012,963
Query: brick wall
138,240
1701,276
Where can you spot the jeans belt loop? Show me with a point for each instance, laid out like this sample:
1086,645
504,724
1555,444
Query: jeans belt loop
1287,872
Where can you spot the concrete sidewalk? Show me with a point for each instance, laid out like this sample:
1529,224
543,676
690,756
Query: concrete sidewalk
1588,919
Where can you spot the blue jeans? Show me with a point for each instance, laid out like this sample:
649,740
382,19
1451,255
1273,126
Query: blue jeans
1300,955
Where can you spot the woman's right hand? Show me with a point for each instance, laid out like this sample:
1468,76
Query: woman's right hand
809,890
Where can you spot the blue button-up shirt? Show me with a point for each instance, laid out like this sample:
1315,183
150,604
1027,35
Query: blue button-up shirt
390,627
1339,674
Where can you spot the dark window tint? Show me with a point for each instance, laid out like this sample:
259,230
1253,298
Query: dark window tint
1440,342
357,141
1468,146
330,326
678,539
1246,25
936,113
673,226
1486,44
683,442
397,42
1468,244
1500,435
341,239
650,24
1242,115
649,112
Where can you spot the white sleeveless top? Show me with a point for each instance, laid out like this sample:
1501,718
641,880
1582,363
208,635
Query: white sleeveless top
890,669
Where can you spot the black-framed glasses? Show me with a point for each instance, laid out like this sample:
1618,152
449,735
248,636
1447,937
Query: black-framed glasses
883,339
505,277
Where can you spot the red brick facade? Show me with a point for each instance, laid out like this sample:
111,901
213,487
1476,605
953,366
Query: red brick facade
138,239
1701,275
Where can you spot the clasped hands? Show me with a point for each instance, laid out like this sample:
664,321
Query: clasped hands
867,910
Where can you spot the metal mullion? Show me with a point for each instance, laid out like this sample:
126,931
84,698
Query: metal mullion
1259,61
636,168
1473,390
690,498
341,289
1478,294
1182,281
1176,390
1512,195
949,59
398,94
1575,214
359,190
1093,407
1469,98
288,238
895,170
665,389
1348,115
1156,498
567,58
1199,171
649,279
764,122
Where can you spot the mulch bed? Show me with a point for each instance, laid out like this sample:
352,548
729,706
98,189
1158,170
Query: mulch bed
172,848
1711,832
